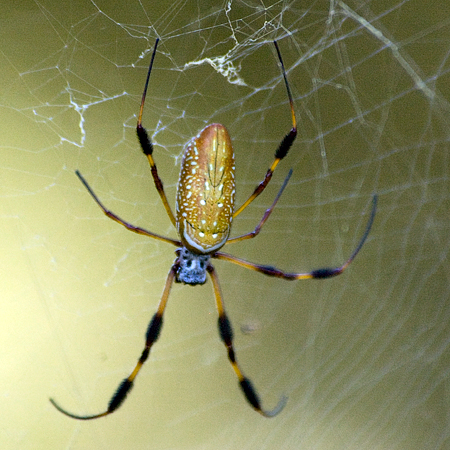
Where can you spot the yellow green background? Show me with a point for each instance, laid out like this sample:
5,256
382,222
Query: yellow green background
364,358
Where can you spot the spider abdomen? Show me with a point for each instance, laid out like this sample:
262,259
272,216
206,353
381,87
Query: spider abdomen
206,190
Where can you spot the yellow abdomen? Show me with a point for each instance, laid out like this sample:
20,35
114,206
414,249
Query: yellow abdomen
206,190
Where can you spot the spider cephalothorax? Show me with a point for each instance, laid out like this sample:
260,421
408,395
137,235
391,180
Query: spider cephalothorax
191,267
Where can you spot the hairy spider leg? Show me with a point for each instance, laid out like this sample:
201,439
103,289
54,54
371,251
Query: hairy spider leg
147,146
226,334
122,222
282,149
266,215
325,272
153,331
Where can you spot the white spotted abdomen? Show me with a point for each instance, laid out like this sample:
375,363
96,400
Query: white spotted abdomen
206,190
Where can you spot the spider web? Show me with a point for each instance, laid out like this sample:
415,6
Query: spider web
363,358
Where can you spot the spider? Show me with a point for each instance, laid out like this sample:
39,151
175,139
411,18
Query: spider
203,216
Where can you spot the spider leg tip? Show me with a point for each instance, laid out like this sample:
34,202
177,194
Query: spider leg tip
280,406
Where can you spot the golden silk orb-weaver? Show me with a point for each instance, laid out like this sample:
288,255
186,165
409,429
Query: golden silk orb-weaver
204,213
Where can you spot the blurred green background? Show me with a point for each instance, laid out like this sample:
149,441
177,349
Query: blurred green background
364,358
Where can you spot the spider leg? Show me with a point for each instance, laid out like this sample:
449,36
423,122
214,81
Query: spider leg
284,146
147,146
325,272
226,334
153,331
117,219
266,215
